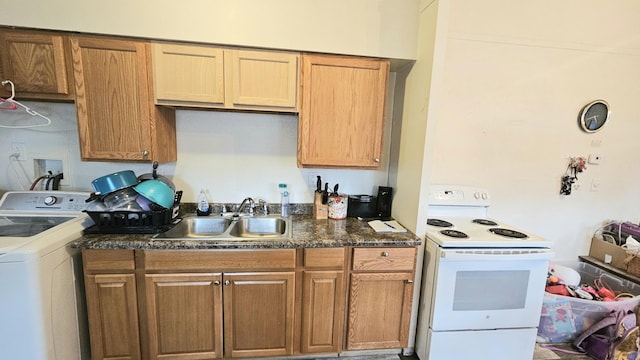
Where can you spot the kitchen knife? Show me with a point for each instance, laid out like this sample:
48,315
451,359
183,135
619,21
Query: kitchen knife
319,185
335,190
325,194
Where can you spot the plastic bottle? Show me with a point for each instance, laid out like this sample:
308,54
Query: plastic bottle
284,200
203,208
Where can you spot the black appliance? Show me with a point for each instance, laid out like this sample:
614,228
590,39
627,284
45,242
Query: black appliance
364,206
384,202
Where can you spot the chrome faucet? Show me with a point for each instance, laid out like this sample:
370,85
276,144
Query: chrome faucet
251,206
264,206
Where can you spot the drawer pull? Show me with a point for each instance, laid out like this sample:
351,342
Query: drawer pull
385,254
216,282
227,282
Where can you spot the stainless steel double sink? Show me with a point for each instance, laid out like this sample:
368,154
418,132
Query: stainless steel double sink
272,227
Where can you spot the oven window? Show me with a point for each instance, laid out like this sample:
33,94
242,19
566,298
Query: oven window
490,290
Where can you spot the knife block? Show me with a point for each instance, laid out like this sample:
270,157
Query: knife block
320,210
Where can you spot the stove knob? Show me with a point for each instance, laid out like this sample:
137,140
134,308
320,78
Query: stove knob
476,195
485,196
50,200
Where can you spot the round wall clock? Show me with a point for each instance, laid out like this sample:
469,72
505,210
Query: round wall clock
594,115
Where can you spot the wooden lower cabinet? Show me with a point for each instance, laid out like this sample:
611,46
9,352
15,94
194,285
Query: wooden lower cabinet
380,298
188,304
112,306
258,314
184,315
322,300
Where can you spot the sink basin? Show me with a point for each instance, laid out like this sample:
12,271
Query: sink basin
259,227
225,228
197,227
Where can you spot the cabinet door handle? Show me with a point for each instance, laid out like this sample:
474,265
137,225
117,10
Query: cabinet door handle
216,282
409,281
385,254
145,153
227,282
376,160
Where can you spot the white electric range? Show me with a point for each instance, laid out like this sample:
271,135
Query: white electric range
483,281
42,298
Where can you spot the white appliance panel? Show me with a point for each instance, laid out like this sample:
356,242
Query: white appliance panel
488,290
41,279
504,344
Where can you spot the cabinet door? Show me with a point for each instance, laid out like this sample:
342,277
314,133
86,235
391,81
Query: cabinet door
188,75
262,80
342,111
379,310
36,63
113,316
116,116
258,314
184,314
322,311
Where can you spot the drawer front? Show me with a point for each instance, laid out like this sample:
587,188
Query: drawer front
99,260
218,260
389,259
324,257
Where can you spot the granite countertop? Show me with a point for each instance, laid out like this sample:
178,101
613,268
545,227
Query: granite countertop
306,232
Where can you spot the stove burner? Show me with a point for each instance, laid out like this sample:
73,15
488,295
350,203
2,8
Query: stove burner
454,233
485,222
508,233
439,223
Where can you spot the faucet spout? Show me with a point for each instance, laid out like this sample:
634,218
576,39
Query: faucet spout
251,205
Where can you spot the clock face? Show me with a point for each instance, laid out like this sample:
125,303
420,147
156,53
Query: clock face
594,115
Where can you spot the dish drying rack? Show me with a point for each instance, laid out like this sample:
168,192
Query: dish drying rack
135,222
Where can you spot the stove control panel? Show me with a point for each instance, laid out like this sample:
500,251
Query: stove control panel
46,201
457,195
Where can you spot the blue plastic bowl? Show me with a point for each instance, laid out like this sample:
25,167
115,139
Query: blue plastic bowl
156,191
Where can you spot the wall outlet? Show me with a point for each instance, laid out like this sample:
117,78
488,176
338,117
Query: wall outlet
594,159
18,151
312,179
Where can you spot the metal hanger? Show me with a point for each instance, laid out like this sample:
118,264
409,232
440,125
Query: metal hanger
14,105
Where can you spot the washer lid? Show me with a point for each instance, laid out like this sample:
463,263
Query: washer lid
28,226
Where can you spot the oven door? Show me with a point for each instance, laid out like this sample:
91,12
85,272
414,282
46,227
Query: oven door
489,288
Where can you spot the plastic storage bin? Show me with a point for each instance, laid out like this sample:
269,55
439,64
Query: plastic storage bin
564,317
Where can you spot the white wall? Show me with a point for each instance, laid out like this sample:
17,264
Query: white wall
384,28
515,78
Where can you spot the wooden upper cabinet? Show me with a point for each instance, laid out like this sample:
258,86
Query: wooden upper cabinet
37,63
117,118
262,79
342,111
188,75
213,77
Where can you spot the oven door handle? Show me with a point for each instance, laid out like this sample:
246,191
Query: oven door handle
499,255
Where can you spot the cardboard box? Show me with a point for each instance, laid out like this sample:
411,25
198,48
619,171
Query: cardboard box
608,253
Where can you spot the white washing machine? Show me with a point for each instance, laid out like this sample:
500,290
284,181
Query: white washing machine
42,311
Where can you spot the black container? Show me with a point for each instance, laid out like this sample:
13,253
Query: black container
384,202
364,206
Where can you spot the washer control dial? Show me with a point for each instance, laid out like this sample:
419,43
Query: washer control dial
50,200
